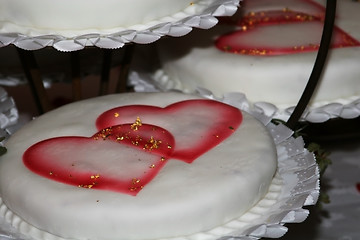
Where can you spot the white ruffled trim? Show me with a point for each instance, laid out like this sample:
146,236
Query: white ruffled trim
342,108
205,17
295,185
8,115
348,108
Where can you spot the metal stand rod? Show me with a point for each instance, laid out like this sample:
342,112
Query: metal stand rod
76,75
124,68
35,81
105,71
318,66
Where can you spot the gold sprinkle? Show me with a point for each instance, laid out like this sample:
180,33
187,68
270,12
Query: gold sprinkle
135,126
85,186
135,181
95,176
104,134
50,173
152,144
169,146
163,159
116,114
152,166
133,189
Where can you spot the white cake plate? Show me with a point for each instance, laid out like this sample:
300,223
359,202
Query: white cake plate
179,24
295,185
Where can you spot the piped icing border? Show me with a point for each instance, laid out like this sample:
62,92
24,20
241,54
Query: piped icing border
344,108
9,115
295,185
205,17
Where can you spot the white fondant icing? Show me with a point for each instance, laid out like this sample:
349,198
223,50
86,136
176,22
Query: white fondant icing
71,18
193,61
70,26
183,199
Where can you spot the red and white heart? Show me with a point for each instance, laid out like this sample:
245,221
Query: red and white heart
197,125
280,32
120,158
125,155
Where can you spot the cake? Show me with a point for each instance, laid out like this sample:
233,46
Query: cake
74,18
73,25
136,166
267,52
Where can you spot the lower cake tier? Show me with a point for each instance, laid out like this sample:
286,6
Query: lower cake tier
203,165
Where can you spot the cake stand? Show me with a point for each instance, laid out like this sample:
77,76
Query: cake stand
296,183
176,25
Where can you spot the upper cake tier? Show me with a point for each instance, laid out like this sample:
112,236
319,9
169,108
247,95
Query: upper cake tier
267,51
55,21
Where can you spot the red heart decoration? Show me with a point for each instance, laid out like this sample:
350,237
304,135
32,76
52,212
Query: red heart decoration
106,160
197,125
262,33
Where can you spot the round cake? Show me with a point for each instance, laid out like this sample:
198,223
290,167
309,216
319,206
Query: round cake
74,18
135,166
267,51
71,26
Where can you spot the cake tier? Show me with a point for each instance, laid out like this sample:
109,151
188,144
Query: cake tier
73,18
71,25
183,199
269,55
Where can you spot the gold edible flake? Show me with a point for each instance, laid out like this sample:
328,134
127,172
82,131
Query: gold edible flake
135,181
152,144
95,176
85,186
135,126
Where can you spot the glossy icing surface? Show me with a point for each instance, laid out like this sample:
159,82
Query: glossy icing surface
184,198
268,55
72,18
